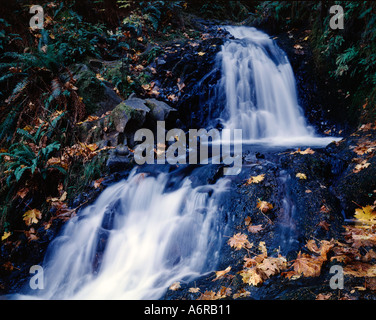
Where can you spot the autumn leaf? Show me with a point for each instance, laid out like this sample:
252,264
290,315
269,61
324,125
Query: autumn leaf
6,235
31,235
221,274
324,225
307,265
241,294
239,241
323,250
175,286
272,266
365,147
322,296
301,176
366,215
263,249
360,270
32,216
201,54
98,183
256,179
208,295
248,221
361,166
255,229
223,293
23,193
264,206
194,290
252,277
307,151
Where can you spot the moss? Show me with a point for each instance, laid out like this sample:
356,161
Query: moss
89,88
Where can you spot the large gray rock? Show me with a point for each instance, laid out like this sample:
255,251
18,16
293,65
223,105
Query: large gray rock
133,111
160,111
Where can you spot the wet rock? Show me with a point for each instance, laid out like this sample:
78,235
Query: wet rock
118,163
159,110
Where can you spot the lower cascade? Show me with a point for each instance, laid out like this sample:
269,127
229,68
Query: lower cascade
135,241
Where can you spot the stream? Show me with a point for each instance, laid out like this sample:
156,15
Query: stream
166,225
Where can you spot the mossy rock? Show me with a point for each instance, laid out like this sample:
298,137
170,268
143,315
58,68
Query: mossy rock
130,113
97,95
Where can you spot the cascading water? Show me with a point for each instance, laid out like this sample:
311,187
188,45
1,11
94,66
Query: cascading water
260,90
139,236
135,241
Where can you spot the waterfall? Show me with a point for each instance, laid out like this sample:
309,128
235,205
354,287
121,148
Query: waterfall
260,90
135,241
140,236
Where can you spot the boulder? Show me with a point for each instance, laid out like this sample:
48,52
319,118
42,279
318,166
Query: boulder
160,111
98,96
130,112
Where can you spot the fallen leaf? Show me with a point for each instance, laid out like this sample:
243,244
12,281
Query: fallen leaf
175,286
239,241
194,290
98,183
256,179
307,151
366,215
255,229
6,235
324,225
241,294
248,221
32,216
361,166
322,296
301,176
307,265
264,206
23,193
208,295
221,274
252,277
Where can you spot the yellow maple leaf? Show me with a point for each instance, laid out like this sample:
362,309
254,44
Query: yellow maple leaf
301,176
194,290
32,216
366,215
252,277
6,235
175,286
256,179
239,241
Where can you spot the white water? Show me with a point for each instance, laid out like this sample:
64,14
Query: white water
137,238
154,239
260,89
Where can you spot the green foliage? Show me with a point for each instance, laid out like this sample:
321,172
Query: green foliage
75,39
228,10
348,56
32,153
